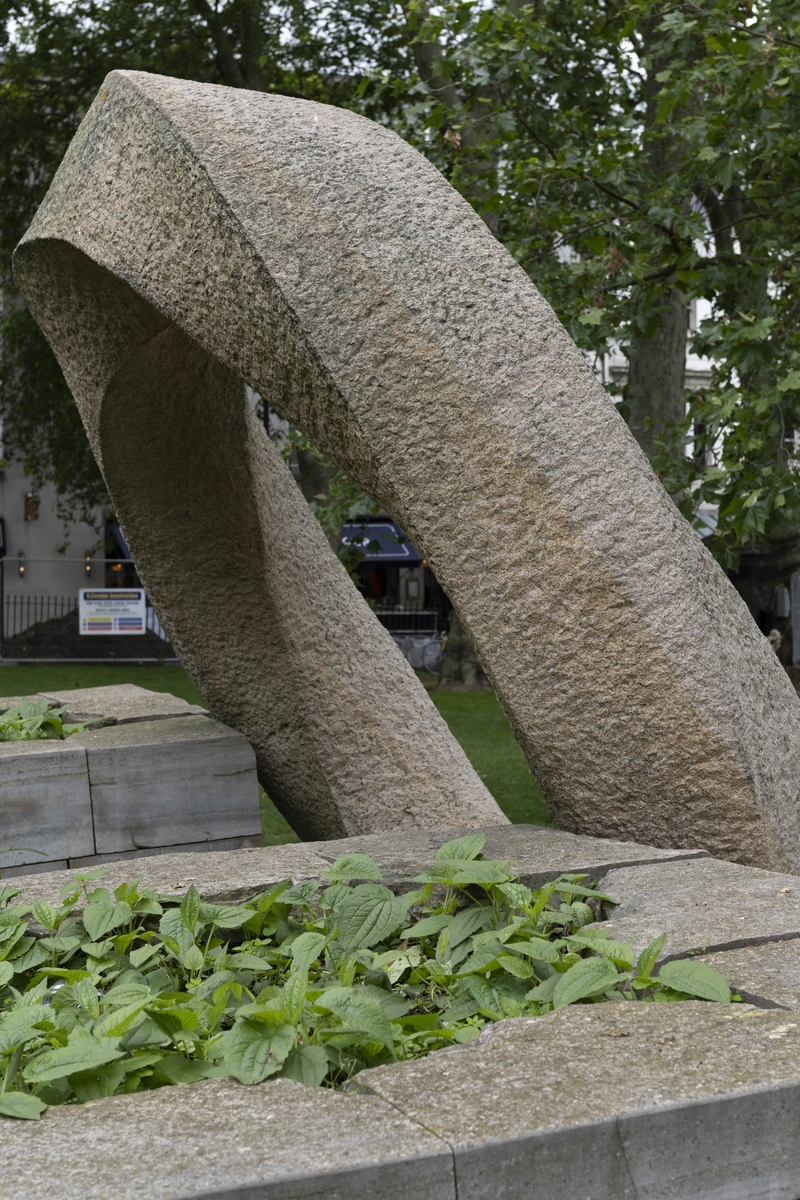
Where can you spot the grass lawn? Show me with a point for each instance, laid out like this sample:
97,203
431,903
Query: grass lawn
475,719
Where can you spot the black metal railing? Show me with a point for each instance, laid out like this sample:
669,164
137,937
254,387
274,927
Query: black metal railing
39,613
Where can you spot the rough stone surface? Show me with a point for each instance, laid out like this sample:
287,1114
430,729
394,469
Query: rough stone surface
170,781
121,702
615,1102
221,1141
45,803
701,905
535,854
217,875
196,236
766,975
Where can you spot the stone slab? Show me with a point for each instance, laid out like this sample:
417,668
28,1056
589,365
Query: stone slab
217,875
234,843
615,1102
766,975
535,853
45,803
122,702
222,1141
701,905
169,782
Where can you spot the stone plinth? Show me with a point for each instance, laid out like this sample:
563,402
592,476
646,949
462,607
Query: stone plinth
153,773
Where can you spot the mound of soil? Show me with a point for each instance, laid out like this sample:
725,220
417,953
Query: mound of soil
59,638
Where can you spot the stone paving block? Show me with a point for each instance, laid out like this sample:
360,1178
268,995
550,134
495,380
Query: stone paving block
221,1141
124,702
701,905
99,860
217,875
170,782
765,975
615,1102
45,804
536,853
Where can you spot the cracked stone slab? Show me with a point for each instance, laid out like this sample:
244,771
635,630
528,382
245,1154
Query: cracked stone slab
221,1141
45,802
217,874
169,782
121,702
535,853
615,1102
701,904
763,975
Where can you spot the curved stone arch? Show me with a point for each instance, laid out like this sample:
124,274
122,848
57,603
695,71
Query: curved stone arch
319,258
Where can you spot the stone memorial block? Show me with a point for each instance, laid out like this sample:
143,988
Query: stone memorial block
45,803
160,783
196,237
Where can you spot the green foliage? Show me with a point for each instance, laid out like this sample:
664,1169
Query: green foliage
626,149
314,981
34,719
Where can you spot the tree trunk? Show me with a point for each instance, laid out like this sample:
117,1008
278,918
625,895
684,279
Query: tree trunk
461,671
656,374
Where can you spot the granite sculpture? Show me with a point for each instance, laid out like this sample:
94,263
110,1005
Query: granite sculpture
196,237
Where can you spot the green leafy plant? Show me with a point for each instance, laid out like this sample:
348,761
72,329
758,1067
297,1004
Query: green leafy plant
33,719
313,981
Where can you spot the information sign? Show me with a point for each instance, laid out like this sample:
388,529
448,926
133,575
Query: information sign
112,610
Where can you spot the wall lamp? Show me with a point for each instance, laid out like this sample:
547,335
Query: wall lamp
21,567
88,565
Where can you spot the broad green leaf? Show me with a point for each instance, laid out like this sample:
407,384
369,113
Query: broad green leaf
172,926
306,949
83,1055
791,383
18,1026
466,847
102,918
143,953
517,967
483,958
517,895
589,977
464,872
352,866
427,927
6,973
190,908
253,1051
117,1021
468,922
649,956
98,1083
22,1106
226,916
294,995
193,959
695,979
364,921
358,1012
85,995
543,992
178,1069
306,1064
301,893
45,914
538,949
620,953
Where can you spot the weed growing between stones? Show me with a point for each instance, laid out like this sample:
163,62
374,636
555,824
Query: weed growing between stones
35,719
313,981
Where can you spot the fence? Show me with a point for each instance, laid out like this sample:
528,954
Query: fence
39,613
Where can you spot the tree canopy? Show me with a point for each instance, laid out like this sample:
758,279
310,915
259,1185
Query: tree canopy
633,155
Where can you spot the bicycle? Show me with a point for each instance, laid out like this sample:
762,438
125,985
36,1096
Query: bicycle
433,654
